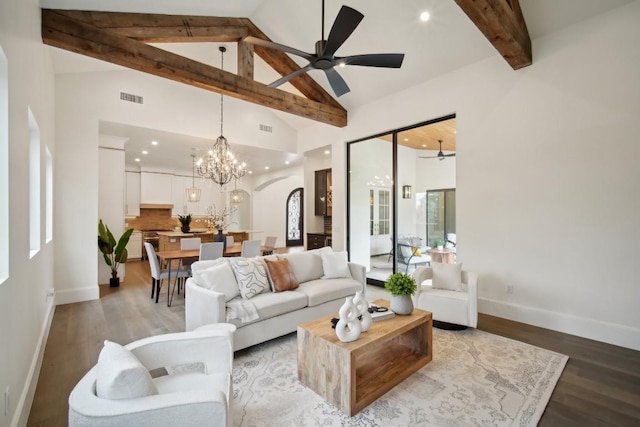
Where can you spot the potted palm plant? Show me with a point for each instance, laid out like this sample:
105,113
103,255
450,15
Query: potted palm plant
401,286
185,221
114,252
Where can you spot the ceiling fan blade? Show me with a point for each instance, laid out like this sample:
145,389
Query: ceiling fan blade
387,60
337,83
291,76
278,46
346,21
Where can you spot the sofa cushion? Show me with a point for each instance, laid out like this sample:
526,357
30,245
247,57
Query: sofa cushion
251,275
306,265
203,265
281,275
271,304
120,375
187,381
323,290
335,265
447,276
219,277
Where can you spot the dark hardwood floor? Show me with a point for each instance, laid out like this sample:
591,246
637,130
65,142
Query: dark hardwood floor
600,385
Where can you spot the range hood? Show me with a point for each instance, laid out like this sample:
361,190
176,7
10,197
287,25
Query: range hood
155,206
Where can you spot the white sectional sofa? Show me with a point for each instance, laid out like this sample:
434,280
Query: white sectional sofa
225,290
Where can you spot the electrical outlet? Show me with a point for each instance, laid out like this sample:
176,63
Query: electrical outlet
6,402
509,289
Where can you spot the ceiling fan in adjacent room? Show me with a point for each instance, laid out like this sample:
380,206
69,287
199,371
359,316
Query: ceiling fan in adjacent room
324,58
440,155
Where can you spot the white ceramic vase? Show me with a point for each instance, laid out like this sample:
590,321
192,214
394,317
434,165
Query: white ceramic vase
362,307
348,327
402,304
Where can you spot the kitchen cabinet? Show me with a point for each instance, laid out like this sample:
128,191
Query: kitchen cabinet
132,194
323,196
156,188
318,240
134,246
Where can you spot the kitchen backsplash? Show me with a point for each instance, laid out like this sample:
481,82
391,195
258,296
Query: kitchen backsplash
159,219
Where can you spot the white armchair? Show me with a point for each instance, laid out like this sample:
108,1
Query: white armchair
452,309
185,399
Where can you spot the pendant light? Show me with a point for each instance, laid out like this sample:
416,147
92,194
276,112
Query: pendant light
193,192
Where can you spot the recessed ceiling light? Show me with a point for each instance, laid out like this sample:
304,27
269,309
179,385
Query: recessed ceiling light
266,168
137,159
327,152
286,162
145,152
250,172
154,142
425,16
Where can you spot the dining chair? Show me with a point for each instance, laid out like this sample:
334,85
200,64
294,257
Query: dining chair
230,241
269,245
158,274
213,250
190,243
250,248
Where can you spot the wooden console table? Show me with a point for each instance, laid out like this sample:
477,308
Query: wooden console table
352,375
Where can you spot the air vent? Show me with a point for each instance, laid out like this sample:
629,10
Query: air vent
131,97
266,128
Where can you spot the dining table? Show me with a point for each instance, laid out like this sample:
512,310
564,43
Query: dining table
168,257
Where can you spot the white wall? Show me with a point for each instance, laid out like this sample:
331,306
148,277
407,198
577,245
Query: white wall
270,195
546,171
111,196
25,308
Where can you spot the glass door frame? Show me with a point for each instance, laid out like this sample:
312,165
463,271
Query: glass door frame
394,186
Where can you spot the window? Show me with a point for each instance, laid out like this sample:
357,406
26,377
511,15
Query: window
294,217
49,197
4,167
34,185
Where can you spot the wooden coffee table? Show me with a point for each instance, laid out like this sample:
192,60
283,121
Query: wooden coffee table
352,375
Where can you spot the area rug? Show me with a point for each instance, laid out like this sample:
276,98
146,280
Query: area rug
475,379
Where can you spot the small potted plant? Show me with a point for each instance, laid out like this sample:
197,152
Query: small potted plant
114,252
440,244
401,286
185,220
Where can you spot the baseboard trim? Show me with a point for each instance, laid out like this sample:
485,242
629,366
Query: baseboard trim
23,409
611,333
68,296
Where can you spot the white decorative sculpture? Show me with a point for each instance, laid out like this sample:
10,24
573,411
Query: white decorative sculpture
362,307
348,318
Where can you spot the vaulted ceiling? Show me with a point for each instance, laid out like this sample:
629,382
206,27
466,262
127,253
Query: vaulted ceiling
121,38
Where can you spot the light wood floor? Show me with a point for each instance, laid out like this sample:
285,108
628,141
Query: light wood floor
600,385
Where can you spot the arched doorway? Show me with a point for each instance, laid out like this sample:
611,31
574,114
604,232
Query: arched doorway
295,215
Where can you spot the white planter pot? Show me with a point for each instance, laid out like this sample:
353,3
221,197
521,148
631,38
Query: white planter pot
402,304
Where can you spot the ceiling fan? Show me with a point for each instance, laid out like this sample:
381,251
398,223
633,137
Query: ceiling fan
440,155
324,58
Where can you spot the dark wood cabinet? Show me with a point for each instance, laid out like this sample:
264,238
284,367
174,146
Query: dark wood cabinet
323,192
317,240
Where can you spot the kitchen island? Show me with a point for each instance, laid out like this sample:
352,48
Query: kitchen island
170,240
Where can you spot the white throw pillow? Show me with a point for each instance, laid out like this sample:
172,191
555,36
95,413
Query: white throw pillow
251,274
306,265
219,278
447,276
335,265
120,375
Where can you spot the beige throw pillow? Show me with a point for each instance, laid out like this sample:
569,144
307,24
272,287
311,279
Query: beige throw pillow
120,375
447,276
335,265
219,278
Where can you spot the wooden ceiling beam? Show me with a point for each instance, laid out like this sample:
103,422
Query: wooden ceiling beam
157,28
62,31
502,23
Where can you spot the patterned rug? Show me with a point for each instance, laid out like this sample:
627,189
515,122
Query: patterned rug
474,379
